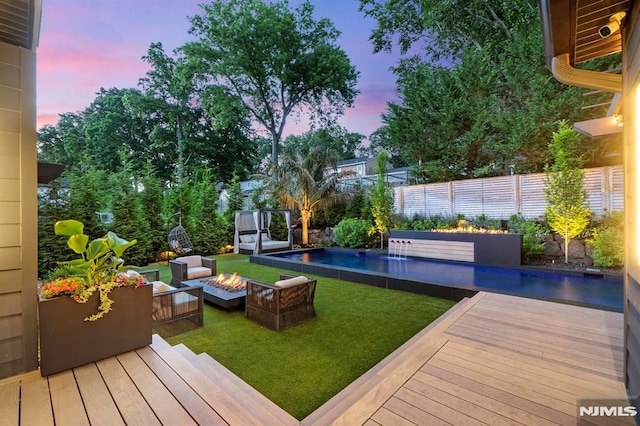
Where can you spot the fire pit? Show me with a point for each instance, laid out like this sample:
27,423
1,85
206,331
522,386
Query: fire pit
231,283
227,295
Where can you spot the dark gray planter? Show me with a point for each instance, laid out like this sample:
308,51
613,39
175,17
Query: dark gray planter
489,249
67,341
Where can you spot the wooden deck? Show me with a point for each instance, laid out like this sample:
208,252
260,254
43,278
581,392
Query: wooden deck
492,359
495,360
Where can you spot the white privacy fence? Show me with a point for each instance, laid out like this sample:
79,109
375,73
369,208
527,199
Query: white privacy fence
500,197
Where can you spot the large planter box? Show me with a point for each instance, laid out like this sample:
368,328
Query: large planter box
67,341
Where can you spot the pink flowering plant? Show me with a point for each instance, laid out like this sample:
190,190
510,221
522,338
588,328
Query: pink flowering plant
99,268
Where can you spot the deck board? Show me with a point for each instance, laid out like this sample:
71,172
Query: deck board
199,410
100,407
35,406
126,395
9,397
66,401
492,359
160,400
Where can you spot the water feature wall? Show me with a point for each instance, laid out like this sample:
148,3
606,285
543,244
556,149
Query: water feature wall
488,249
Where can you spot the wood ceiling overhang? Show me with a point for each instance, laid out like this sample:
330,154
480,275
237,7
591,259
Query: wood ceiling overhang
571,26
20,22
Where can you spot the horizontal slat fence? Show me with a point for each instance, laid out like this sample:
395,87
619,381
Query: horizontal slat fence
500,197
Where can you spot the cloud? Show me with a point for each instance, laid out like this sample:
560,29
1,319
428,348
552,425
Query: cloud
86,45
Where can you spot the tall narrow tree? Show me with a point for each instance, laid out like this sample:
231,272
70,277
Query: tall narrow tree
567,210
382,197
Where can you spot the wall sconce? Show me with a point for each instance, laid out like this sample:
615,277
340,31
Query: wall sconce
617,120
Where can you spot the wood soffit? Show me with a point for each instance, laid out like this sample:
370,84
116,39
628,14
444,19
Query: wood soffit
571,26
17,18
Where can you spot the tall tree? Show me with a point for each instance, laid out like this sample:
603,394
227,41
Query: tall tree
567,211
171,93
382,196
271,60
345,144
490,103
303,181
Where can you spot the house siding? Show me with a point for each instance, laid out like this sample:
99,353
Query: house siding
18,211
631,69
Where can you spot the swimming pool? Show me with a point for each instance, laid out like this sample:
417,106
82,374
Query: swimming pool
452,280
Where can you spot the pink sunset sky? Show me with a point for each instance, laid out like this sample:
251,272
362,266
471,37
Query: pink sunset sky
85,45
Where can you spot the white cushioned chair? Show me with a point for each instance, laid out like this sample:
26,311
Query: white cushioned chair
172,304
191,267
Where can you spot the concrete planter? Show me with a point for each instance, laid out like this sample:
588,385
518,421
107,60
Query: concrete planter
67,341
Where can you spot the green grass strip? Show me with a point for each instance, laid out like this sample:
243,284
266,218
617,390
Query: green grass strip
303,367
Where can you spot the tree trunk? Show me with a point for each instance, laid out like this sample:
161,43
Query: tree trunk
566,250
306,217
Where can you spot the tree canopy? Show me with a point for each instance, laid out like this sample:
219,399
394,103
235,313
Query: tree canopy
271,60
476,98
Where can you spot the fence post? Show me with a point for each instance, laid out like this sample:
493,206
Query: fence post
452,201
517,198
607,190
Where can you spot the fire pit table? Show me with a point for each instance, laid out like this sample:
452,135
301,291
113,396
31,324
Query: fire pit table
219,296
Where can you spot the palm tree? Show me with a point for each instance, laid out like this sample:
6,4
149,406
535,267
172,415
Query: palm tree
304,181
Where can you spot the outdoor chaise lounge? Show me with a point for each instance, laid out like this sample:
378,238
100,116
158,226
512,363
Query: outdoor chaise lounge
253,232
281,305
191,267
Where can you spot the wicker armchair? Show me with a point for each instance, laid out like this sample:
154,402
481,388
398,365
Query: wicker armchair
281,305
172,304
191,267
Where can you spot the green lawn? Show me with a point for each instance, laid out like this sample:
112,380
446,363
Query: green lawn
301,368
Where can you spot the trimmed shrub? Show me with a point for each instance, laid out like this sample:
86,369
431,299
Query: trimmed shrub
608,247
353,233
532,233
436,222
485,222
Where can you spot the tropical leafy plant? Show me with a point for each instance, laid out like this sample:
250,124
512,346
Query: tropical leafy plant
303,182
97,269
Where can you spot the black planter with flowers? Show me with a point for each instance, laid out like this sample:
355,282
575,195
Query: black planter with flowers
68,341
95,310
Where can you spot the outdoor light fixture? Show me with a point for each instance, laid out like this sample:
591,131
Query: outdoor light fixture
613,25
617,120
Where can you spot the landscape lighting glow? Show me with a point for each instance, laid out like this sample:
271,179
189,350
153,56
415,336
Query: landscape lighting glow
635,166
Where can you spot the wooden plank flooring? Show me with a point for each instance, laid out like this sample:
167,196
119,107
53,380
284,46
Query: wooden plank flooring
491,360
500,360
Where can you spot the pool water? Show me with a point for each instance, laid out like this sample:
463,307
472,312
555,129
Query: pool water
590,290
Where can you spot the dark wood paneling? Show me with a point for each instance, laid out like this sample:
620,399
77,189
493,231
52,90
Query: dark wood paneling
11,326
10,349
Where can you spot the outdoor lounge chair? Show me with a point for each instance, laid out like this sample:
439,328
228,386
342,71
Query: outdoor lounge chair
172,304
281,305
191,267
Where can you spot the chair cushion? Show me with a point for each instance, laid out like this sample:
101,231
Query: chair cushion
247,238
159,287
198,272
291,281
191,261
185,303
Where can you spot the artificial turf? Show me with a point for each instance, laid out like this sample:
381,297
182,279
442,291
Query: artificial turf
302,367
